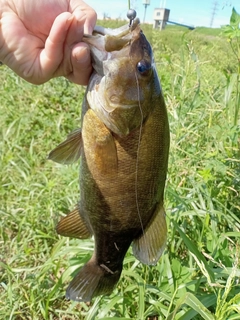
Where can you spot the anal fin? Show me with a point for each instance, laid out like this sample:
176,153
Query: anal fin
69,150
149,247
72,225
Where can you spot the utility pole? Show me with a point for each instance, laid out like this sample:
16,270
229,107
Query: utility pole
214,10
163,4
145,3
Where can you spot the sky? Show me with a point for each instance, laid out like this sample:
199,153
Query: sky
190,12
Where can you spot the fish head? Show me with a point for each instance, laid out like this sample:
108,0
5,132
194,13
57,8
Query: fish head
124,83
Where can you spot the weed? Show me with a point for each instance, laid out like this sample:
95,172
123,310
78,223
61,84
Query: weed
198,275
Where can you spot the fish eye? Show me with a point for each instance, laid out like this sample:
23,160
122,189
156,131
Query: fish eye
144,67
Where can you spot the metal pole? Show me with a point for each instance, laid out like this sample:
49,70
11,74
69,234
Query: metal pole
145,13
163,4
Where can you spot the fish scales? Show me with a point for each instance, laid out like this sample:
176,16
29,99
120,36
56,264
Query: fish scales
120,186
124,146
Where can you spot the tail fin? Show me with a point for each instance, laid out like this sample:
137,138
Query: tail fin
92,280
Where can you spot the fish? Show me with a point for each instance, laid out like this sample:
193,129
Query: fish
123,144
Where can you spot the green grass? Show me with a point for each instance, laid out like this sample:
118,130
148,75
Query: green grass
198,275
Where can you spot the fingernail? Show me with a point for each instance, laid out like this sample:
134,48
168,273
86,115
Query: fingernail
80,16
88,28
68,22
82,54
70,18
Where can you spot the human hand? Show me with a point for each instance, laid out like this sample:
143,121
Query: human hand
40,40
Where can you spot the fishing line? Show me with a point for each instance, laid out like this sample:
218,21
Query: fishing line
139,143
138,149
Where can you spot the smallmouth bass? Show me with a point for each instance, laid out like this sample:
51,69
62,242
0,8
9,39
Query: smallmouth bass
124,144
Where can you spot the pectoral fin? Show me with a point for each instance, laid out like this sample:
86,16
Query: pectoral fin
73,226
149,247
106,154
99,144
69,150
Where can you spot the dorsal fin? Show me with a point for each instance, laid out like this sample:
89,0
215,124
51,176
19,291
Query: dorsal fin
69,150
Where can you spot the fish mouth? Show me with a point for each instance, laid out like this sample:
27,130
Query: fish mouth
118,31
107,44
109,40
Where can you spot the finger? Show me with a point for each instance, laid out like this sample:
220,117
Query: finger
90,21
81,64
78,8
52,55
75,32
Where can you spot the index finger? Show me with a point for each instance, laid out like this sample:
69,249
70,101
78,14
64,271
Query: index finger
78,8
